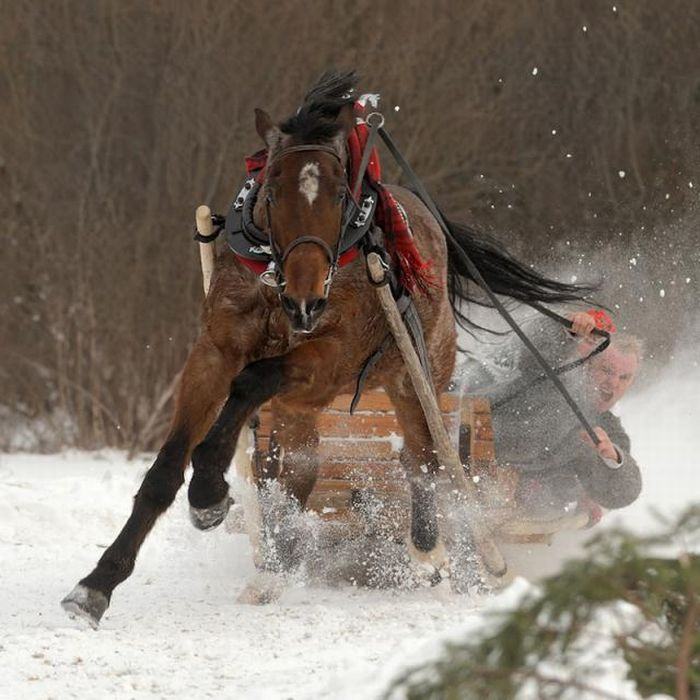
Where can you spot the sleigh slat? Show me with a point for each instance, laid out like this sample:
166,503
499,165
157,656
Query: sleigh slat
358,451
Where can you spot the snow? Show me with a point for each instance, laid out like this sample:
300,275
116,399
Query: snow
662,421
175,629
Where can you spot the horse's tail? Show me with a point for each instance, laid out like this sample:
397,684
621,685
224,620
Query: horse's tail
503,273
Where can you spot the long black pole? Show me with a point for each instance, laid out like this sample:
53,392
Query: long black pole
479,279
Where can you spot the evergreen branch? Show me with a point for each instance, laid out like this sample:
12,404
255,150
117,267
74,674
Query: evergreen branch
661,647
688,640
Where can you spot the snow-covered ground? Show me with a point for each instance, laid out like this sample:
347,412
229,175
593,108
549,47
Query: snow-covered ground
174,628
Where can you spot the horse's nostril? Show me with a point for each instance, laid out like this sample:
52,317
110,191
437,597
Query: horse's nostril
315,306
289,304
303,314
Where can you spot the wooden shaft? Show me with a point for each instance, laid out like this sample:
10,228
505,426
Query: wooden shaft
446,453
202,219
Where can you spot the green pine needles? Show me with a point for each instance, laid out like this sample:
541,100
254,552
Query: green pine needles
631,599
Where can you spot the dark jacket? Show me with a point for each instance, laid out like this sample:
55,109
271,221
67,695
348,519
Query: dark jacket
537,432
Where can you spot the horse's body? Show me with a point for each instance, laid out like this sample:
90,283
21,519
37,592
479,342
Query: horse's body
251,349
243,322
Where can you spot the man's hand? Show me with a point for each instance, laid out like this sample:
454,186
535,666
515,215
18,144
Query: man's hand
605,448
582,324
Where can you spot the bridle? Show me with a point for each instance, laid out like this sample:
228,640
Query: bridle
274,275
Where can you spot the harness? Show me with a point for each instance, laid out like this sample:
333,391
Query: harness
258,250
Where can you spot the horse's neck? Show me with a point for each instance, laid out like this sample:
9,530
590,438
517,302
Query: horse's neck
260,214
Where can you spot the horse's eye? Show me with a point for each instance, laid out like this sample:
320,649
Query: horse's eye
269,196
342,194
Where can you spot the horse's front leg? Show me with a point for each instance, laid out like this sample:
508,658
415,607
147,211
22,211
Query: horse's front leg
295,434
304,380
202,390
208,489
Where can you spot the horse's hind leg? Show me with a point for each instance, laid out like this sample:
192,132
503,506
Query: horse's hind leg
296,433
278,533
419,461
203,388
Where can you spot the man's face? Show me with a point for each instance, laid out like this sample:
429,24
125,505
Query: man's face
612,373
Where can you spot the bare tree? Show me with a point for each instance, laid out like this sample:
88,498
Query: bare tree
540,121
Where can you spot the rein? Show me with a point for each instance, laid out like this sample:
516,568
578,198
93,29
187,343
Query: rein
361,216
549,372
257,248
562,369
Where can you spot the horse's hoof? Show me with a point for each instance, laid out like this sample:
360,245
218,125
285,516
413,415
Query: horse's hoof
262,590
432,566
209,518
86,604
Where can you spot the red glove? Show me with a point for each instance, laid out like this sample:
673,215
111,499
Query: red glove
603,322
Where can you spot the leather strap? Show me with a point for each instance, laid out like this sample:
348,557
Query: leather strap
479,279
252,243
407,309
309,239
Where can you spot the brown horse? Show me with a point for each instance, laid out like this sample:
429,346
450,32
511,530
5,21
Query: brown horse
306,341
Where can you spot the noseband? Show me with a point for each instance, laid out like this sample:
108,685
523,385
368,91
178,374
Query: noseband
274,277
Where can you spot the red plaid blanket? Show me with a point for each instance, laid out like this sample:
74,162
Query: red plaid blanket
414,272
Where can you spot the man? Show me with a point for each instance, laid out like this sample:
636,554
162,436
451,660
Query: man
536,433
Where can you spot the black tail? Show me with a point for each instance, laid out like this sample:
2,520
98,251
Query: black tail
503,273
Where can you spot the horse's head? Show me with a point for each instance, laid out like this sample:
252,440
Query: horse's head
302,201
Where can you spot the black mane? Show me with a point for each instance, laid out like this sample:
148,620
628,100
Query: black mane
316,119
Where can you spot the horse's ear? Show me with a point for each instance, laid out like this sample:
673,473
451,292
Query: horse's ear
346,123
268,131
346,119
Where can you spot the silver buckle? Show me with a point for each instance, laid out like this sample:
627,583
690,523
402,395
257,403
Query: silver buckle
271,277
365,209
329,278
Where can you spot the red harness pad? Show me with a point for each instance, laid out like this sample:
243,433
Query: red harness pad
413,270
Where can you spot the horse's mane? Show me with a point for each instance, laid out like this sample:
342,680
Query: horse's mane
316,119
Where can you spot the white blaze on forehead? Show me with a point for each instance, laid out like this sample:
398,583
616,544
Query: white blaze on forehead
308,181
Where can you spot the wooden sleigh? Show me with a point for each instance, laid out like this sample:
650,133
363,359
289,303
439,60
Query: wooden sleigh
359,453
359,461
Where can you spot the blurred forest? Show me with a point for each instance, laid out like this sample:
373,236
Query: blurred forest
570,130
